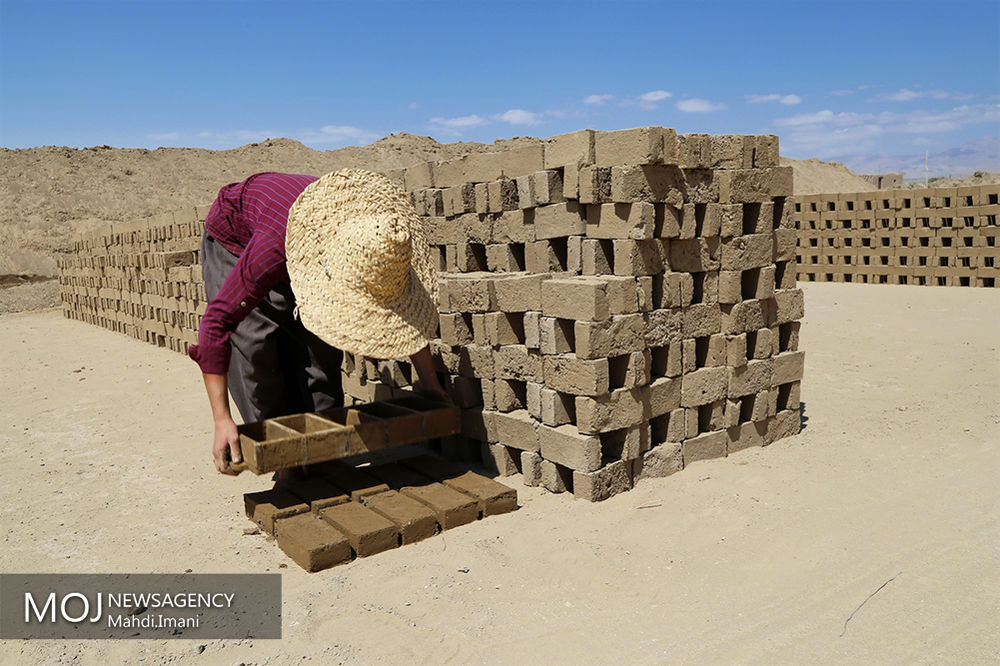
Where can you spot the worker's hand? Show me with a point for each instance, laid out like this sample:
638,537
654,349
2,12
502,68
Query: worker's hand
226,446
433,392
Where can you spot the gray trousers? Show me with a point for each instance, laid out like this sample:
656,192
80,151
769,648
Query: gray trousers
276,367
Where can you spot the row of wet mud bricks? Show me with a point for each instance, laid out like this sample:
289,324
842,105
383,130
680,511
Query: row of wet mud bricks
342,512
936,237
140,279
626,309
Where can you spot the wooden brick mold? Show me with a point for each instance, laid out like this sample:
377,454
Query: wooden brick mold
940,237
341,512
304,439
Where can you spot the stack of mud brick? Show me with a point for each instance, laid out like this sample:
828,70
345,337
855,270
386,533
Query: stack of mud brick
936,237
613,305
142,279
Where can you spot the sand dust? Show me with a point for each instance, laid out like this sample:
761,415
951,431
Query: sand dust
760,557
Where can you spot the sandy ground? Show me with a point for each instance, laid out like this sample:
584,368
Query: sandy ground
760,557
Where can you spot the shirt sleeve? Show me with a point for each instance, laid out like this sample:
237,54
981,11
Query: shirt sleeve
258,270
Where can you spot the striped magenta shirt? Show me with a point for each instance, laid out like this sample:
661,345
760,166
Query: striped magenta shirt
248,219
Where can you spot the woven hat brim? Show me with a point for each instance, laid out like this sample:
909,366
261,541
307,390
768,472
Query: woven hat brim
330,305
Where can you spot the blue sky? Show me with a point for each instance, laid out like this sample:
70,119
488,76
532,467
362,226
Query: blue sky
841,80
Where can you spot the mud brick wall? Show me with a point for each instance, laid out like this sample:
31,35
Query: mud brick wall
142,279
935,237
613,305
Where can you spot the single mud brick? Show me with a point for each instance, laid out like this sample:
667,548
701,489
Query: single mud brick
790,304
519,292
694,255
663,395
746,252
451,508
414,520
312,543
752,378
754,185
571,181
651,183
704,386
455,329
548,187
367,531
785,243
702,320
569,374
557,220
664,327
595,184
635,221
525,191
784,424
418,176
521,161
494,498
573,148
566,446
641,145
517,362
617,335
481,192
318,492
661,460
531,468
532,329
353,481
516,429
555,478
267,506
397,476
788,367
703,447
747,435
613,478
620,408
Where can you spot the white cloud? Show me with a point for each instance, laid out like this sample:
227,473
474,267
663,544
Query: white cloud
598,99
827,134
907,95
773,97
654,96
520,117
460,122
695,105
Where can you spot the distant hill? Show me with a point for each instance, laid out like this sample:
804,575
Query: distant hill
979,155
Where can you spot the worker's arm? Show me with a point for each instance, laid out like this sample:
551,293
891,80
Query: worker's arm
226,435
428,382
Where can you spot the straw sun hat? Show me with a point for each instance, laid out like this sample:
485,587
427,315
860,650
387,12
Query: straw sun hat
360,266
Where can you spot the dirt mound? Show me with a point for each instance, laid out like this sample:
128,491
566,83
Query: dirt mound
819,177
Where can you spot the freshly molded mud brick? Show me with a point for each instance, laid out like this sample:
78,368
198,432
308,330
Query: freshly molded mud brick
704,386
597,486
548,187
267,506
784,424
555,478
595,184
663,395
790,304
664,327
636,221
557,220
641,145
573,148
746,435
746,252
694,255
511,227
620,334
397,476
451,508
367,531
638,257
754,377
701,320
647,183
531,468
620,408
703,447
494,498
414,520
566,446
312,543
318,492
516,429
353,481
788,367
754,185
661,460
569,374
519,292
